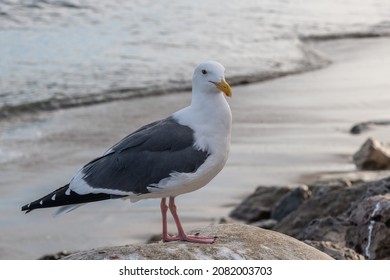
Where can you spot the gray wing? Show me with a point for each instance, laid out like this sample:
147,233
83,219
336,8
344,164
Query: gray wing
145,157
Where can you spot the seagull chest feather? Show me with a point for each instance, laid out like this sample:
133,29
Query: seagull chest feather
211,124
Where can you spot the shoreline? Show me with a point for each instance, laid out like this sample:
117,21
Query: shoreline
313,61
282,129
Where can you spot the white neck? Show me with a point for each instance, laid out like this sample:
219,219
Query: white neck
210,116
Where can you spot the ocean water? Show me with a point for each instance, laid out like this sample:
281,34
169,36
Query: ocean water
63,53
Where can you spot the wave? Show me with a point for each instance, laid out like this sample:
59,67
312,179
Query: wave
341,36
312,60
40,4
381,29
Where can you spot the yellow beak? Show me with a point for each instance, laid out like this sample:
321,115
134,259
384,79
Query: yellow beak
224,87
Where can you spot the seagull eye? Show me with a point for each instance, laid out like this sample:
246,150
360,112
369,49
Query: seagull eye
204,72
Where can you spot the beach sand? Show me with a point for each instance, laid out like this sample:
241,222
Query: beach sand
284,130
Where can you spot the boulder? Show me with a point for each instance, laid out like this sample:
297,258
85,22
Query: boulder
373,155
289,202
325,229
326,200
234,241
369,233
258,206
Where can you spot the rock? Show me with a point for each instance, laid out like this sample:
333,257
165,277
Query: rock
326,200
369,233
335,250
337,211
325,229
258,206
380,187
376,188
359,128
235,241
365,126
289,202
373,155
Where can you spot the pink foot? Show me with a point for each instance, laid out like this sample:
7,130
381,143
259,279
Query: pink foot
182,236
170,238
190,238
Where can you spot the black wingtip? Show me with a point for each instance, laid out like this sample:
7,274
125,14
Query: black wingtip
39,203
63,196
26,208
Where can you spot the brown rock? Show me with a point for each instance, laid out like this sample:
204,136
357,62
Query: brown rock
235,241
373,155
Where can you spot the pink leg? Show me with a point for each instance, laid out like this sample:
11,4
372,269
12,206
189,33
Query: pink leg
182,235
165,236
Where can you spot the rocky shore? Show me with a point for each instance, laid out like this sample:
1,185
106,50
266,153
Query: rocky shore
345,215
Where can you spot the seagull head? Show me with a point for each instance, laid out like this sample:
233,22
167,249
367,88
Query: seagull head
210,77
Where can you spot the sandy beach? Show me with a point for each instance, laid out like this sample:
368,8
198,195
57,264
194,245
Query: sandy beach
284,131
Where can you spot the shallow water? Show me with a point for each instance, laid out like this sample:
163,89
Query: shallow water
63,53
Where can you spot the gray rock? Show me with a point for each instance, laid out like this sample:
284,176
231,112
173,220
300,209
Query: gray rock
365,126
290,202
258,206
335,250
326,200
338,211
380,187
325,229
235,241
369,233
359,128
373,155
376,188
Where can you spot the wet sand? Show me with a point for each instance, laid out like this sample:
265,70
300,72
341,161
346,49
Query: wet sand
283,130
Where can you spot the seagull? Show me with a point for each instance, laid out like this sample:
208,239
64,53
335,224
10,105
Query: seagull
166,158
